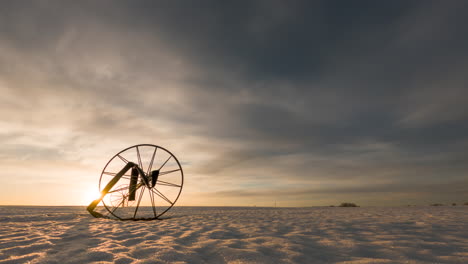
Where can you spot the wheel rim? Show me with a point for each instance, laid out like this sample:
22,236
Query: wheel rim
151,202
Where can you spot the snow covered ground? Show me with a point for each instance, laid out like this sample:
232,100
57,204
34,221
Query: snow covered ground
238,235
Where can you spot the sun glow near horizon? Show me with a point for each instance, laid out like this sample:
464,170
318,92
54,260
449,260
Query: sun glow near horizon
89,195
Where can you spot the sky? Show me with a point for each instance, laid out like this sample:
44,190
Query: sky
298,103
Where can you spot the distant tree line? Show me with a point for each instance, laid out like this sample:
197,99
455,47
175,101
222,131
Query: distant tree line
439,204
346,205
355,205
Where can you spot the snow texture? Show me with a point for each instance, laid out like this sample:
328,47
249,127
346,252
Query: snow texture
237,235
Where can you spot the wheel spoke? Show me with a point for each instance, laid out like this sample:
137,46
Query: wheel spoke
167,183
126,187
118,190
167,172
152,160
126,176
138,204
125,197
165,162
139,158
123,200
107,214
152,203
158,193
122,158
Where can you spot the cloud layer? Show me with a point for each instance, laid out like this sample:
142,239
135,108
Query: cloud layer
302,103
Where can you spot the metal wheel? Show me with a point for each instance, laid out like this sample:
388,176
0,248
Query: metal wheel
146,182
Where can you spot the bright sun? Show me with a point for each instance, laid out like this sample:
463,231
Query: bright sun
89,195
